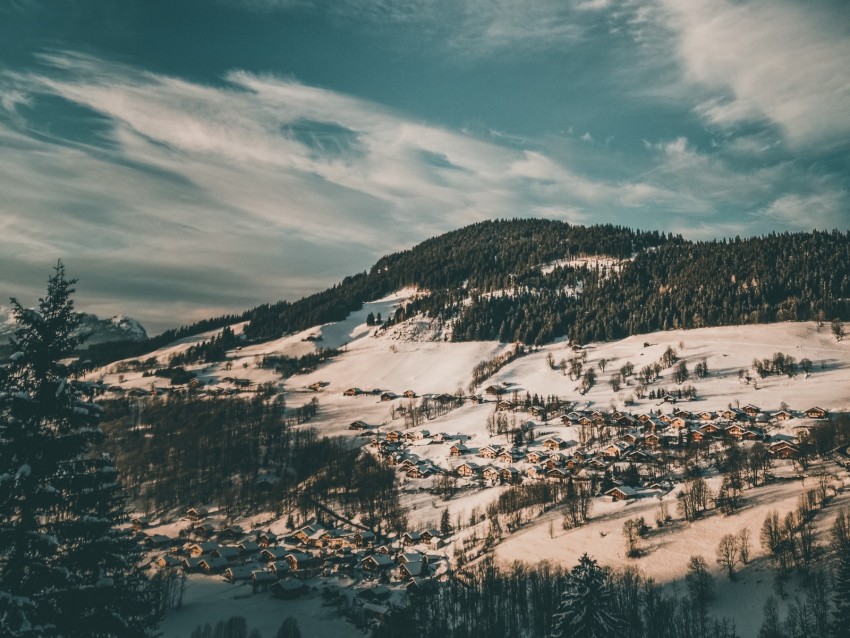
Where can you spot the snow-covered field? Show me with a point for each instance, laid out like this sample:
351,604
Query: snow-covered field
390,360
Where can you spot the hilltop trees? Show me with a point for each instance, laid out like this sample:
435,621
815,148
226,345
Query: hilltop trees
65,567
588,606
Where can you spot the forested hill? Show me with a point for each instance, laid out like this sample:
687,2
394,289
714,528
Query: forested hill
520,280
490,255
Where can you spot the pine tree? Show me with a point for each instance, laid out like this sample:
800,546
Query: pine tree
289,629
588,604
65,568
841,596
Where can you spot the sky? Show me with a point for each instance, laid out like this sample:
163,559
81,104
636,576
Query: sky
189,158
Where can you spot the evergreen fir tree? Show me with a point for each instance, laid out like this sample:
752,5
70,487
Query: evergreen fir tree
588,604
65,568
289,629
841,596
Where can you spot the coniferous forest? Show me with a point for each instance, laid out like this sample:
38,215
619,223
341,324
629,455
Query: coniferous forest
492,281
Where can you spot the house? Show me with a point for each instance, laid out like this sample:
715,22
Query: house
227,552
267,538
429,535
651,440
783,415
168,561
494,390
510,475
678,423
734,430
490,473
409,394
534,456
389,396
706,416
557,474
616,450
554,443
412,569
411,538
420,471
751,410
816,413
458,449
394,436
191,564
709,428
212,564
696,436
377,563
140,523
360,425
302,563
509,456
352,392
621,493
237,573
262,580
271,554
488,452
468,469
203,548
535,471
783,450
197,513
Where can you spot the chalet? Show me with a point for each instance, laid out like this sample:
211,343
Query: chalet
409,538
651,440
632,438
621,493
494,390
227,552
554,443
203,548
389,396
678,423
616,450
272,554
782,415
412,569
140,523
420,471
266,538
429,535
538,412
197,513
643,418
377,563
409,394
509,456
504,406
353,392
468,469
510,475
212,564
458,449
734,430
231,532
191,564
238,573
534,456
696,436
751,410
535,471
490,473
557,474
705,415
752,435
302,563
279,568
394,436
248,548
156,540
783,449
488,452
709,428
816,413
360,425
262,580
169,560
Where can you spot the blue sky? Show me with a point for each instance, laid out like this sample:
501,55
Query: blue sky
189,158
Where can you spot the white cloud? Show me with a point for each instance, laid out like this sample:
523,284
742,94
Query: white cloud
768,60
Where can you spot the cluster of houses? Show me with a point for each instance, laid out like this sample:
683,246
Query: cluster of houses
281,564
227,386
612,441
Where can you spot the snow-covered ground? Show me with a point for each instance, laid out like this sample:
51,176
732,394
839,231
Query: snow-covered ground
398,359
209,599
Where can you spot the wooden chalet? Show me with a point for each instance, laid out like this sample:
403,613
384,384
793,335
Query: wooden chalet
816,413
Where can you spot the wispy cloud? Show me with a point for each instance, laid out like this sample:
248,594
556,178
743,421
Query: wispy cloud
201,199
768,60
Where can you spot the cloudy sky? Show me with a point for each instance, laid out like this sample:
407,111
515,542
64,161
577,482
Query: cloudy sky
187,158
